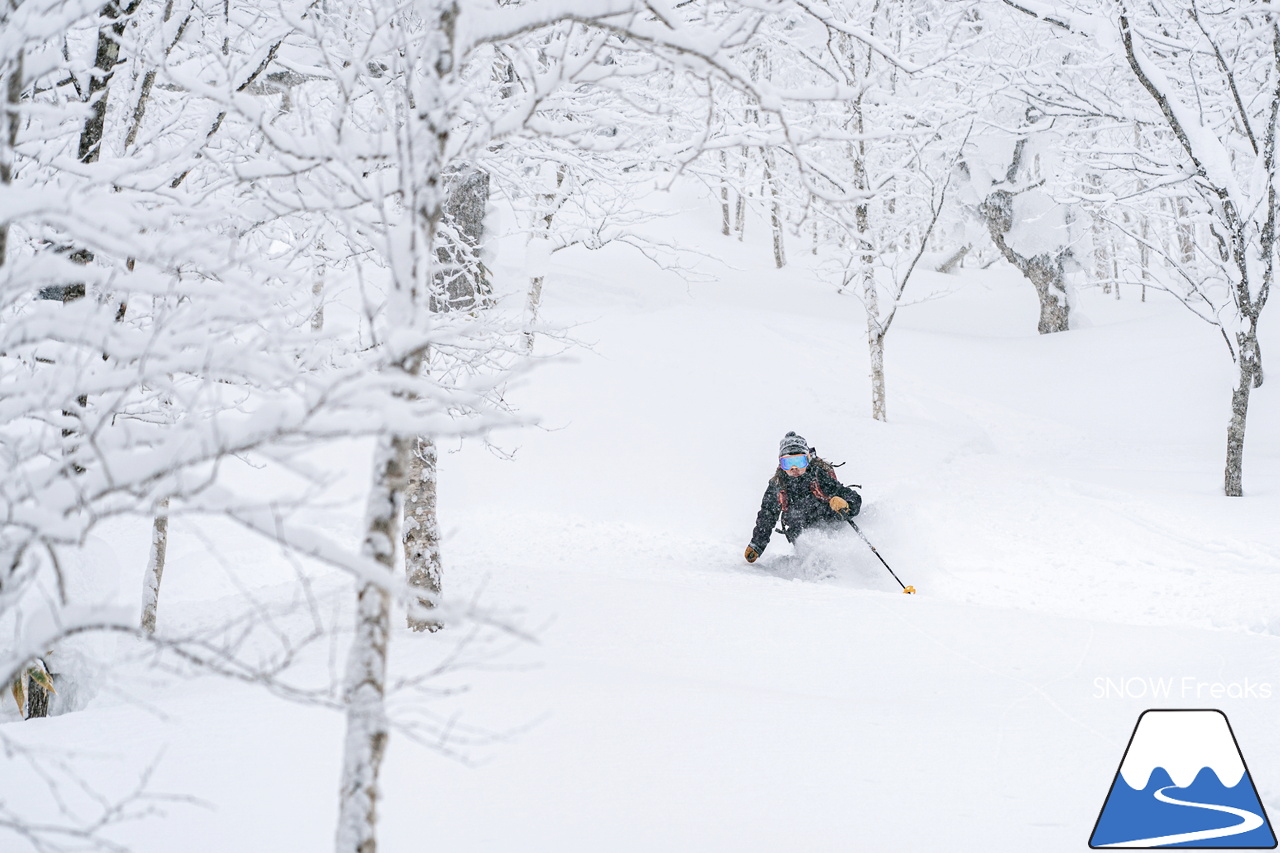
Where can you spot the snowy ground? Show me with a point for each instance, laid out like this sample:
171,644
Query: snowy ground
1056,500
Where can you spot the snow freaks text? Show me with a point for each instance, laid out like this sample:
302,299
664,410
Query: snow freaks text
1184,687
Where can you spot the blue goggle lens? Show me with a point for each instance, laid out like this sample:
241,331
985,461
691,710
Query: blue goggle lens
799,460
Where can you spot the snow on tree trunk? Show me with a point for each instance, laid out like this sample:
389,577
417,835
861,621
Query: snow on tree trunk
875,342
1244,214
725,214
955,260
1045,271
367,729
155,566
1250,377
1144,253
106,58
140,109
364,685
317,289
866,260
538,251
417,289
535,301
422,561
463,280
1098,232
1186,232
775,212
740,209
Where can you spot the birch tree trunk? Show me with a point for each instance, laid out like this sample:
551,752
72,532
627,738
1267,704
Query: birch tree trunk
740,209
1186,232
460,285
540,251
875,342
317,290
364,686
1144,253
724,193
1250,377
775,213
155,566
875,336
422,560
866,258
421,174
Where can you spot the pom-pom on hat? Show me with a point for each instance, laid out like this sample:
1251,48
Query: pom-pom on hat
792,444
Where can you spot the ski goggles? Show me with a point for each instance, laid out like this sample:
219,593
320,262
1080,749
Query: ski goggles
797,461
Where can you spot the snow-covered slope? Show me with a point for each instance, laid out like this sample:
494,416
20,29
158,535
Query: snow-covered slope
1054,499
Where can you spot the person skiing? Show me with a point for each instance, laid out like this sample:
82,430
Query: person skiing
804,491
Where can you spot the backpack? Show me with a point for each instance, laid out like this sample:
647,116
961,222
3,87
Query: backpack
815,461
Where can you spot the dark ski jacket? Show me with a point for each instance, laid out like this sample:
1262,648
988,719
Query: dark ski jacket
801,502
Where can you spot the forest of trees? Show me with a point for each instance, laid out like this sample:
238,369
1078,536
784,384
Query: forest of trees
183,185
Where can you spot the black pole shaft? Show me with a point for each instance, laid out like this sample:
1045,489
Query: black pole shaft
858,530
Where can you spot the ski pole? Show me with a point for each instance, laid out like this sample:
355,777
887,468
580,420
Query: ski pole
909,590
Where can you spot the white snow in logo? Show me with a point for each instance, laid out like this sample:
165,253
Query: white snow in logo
1183,743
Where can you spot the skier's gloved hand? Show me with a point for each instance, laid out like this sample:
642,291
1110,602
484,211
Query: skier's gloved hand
752,554
838,504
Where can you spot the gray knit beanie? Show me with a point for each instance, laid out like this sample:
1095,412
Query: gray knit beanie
792,444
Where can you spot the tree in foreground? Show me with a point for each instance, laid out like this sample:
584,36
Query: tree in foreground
1200,81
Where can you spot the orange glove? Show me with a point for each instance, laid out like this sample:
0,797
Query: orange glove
752,554
838,504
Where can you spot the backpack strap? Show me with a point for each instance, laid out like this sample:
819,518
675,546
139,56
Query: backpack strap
817,490
825,467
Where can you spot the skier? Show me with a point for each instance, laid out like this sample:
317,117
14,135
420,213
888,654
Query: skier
804,491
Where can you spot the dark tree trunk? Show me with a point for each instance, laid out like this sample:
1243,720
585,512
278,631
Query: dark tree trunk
9,121
463,280
955,260
1044,271
105,59
29,689
37,702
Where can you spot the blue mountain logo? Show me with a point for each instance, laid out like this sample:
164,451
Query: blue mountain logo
1183,783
